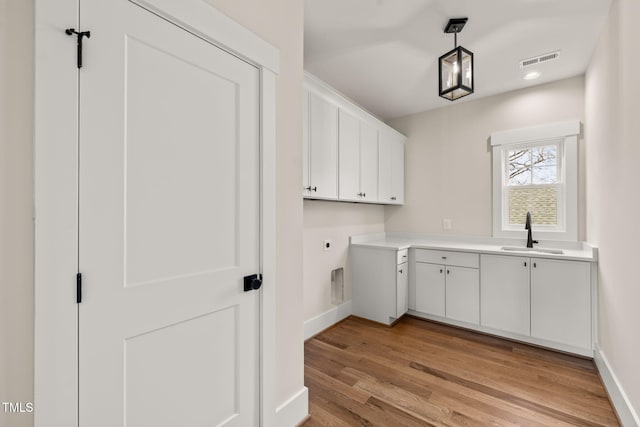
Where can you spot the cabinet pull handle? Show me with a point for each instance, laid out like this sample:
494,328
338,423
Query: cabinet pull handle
314,188
535,265
444,257
448,271
440,271
393,198
307,188
404,256
525,263
400,271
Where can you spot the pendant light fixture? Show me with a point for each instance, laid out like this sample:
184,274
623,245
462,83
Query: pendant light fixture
456,66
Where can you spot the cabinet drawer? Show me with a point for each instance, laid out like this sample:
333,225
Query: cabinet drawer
460,259
403,256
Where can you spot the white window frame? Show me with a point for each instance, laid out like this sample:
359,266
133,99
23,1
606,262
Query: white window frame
565,136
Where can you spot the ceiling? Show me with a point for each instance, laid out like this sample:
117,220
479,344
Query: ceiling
383,54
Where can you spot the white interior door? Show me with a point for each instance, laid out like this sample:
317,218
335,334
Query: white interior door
168,225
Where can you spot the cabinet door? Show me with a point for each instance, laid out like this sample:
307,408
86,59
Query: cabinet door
397,171
349,155
561,302
323,148
385,191
462,294
402,290
305,144
504,293
430,292
368,162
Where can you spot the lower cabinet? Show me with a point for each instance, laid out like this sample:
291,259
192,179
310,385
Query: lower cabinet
402,289
380,283
543,301
505,291
430,292
542,298
561,301
450,289
462,294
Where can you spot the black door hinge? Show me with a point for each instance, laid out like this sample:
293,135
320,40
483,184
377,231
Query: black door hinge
81,35
78,288
252,282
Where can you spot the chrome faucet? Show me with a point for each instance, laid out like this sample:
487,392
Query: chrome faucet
527,226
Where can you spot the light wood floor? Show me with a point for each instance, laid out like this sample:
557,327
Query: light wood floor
420,373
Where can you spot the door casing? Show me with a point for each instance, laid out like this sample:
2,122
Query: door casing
56,194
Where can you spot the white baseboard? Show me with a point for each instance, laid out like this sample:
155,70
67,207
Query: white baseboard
627,414
329,318
293,411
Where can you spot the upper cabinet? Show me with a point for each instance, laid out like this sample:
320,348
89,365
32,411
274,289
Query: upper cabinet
391,169
320,148
348,154
358,160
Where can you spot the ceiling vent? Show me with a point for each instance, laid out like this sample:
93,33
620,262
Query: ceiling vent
529,62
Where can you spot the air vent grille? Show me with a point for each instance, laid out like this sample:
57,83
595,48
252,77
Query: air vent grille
551,56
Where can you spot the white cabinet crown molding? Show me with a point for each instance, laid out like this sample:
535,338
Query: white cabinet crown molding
322,89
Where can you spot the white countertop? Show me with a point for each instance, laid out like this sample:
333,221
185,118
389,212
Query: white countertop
577,251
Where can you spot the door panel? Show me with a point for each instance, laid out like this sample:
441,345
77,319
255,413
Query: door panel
505,293
174,223
385,190
306,183
561,302
397,170
349,156
169,225
323,140
369,162
200,382
402,290
430,290
462,294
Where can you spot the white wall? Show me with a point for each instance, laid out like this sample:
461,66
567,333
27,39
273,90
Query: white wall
335,221
613,196
448,158
16,207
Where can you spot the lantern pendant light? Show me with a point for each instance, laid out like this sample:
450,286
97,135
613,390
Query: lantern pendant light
456,66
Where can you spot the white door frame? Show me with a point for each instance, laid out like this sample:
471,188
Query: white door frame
56,194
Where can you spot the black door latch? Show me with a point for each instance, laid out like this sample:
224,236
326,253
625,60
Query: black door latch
252,282
87,34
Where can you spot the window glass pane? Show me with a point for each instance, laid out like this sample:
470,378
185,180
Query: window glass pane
544,175
519,167
541,202
449,68
544,156
544,166
466,70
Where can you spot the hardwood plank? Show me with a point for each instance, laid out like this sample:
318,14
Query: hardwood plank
523,383
400,374
420,373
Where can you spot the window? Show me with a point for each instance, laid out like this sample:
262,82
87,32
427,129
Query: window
532,182
535,170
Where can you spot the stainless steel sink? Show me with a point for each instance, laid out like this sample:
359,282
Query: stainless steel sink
532,250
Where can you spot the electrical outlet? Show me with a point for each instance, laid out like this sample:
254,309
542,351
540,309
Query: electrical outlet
446,224
326,244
